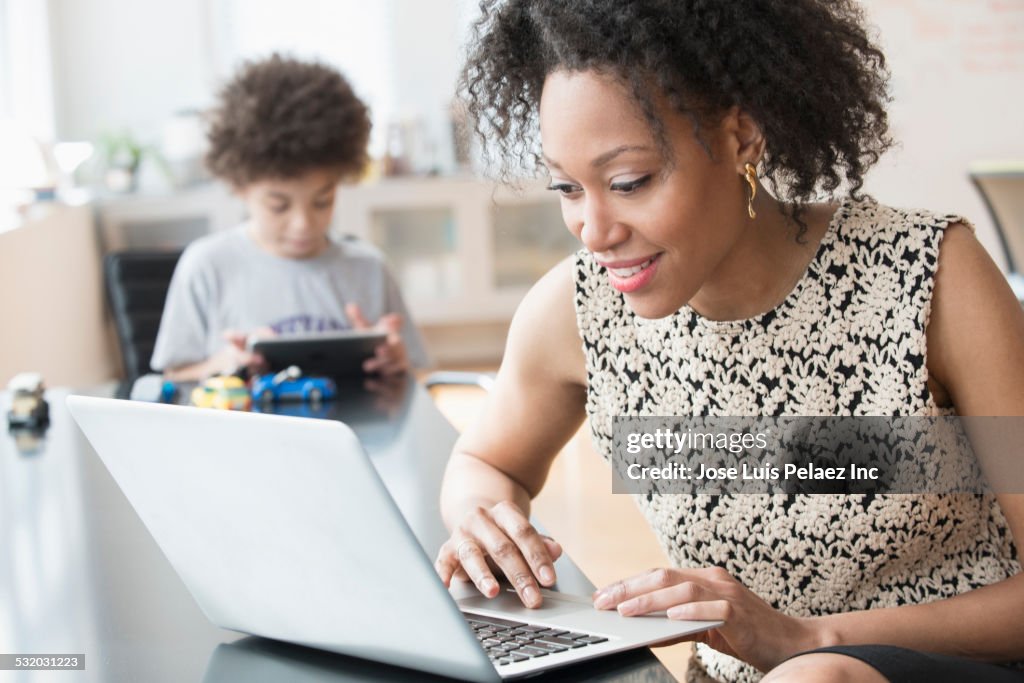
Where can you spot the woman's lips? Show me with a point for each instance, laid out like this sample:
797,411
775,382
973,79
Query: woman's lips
629,276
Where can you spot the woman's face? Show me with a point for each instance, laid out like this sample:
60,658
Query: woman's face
291,216
659,227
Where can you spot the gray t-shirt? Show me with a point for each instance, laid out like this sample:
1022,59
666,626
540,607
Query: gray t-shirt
224,281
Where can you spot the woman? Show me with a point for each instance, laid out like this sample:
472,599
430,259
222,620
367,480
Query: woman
700,293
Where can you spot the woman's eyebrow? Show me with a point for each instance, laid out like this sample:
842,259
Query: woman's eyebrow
602,159
550,163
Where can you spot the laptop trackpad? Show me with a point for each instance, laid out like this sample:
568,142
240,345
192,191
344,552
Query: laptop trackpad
509,604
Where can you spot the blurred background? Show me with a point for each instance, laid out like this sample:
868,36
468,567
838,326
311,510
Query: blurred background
101,141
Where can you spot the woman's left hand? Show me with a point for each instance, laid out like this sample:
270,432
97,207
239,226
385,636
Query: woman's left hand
753,631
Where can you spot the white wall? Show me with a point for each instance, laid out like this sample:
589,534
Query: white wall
133,63
426,88
957,70
127,64
957,74
51,301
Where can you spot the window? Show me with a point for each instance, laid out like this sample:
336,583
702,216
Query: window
26,81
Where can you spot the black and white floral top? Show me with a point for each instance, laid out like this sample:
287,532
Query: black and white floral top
849,340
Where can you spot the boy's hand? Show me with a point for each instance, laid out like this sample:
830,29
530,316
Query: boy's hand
234,356
391,357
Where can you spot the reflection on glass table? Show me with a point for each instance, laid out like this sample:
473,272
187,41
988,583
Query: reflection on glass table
259,660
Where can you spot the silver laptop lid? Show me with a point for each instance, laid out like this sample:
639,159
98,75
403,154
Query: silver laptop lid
281,527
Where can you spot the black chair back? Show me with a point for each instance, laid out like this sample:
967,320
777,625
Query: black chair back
137,283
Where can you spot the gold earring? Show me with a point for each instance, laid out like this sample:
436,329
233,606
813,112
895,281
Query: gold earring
752,181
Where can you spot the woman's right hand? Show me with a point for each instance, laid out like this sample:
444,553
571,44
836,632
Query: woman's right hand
499,539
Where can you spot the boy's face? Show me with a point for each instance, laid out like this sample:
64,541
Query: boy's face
291,216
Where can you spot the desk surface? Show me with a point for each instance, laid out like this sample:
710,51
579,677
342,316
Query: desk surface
80,574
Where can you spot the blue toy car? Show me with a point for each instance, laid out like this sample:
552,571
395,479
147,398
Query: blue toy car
290,385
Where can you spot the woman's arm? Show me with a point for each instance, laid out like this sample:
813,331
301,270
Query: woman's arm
976,359
501,462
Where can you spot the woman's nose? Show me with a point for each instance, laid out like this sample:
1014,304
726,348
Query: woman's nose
600,230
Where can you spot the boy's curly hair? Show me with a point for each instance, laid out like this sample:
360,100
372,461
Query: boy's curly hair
280,117
806,70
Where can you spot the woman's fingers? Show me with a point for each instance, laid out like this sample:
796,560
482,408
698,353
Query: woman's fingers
463,552
500,539
665,598
447,564
554,547
531,545
613,595
707,610
515,546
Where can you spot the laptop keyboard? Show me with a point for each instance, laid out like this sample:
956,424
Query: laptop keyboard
508,642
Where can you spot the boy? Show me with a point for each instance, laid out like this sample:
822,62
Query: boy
284,134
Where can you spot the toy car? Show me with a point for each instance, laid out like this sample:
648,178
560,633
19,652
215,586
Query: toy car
290,385
224,393
28,408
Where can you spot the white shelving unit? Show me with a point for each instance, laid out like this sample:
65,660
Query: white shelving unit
155,221
462,250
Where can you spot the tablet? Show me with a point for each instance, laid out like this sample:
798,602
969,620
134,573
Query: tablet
334,354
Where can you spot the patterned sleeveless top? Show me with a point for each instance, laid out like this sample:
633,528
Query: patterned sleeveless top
849,340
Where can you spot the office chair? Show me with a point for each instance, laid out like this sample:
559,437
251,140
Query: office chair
137,283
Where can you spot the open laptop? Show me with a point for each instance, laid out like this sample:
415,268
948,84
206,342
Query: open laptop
281,527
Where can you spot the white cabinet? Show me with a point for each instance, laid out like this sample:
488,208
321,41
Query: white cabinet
462,250
167,220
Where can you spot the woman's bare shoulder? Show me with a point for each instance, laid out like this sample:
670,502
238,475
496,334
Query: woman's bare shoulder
976,330
544,336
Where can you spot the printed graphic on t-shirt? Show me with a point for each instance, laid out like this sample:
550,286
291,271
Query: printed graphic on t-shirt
304,324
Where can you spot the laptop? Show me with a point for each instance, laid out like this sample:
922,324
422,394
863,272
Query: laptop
281,527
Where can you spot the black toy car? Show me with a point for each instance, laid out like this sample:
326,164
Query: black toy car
28,407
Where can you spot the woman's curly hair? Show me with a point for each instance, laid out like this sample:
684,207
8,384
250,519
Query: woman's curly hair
806,70
280,117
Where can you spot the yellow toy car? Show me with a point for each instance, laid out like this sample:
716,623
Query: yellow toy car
223,393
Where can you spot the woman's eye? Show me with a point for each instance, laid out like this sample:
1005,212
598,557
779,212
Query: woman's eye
630,186
324,204
565,189
279,208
